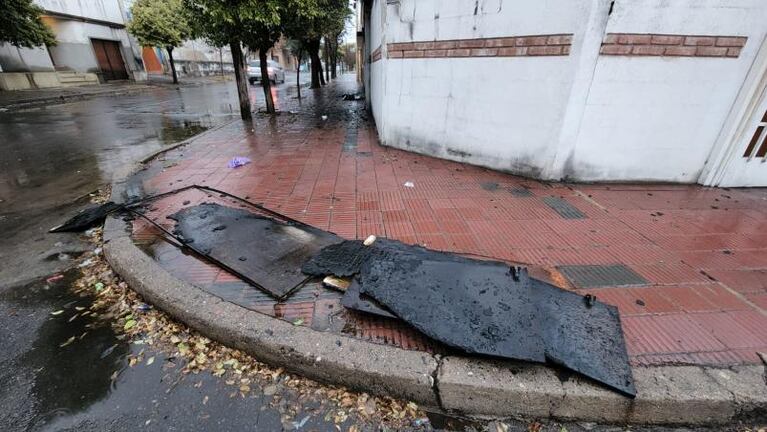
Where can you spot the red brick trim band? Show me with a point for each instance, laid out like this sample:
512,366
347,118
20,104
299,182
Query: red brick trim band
632,44
375,55
512,46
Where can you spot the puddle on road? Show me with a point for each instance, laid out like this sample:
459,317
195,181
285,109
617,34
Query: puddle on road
66,379
173,132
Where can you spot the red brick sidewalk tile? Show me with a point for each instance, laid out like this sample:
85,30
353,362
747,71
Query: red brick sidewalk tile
636,301
725,327
743,281
675,333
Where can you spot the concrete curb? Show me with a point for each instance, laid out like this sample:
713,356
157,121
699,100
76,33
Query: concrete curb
321,356
672,395
63,99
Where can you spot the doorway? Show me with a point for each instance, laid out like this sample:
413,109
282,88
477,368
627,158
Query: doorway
741,157
110,59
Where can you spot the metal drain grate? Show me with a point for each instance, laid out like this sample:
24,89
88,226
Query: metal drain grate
489,186
595,276
521,192
350,143
564,208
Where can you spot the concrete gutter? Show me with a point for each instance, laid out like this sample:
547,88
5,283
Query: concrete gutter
671,395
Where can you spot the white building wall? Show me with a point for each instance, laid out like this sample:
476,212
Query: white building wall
105,10
657,118
376,71
584,116
499,112
74,51
13,59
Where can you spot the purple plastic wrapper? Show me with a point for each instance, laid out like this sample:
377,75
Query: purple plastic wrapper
238,162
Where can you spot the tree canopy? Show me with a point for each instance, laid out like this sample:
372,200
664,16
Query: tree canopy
160,23
312,20
21,26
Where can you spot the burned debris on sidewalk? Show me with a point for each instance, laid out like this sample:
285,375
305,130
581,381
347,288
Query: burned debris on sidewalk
479,307
483,307
267,252
88,218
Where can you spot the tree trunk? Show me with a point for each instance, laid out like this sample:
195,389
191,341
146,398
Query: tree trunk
313,46
298,72
322,74
242,82
334,59
327,59
172,65
266,82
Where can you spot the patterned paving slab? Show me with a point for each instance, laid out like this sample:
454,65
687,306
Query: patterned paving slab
597,276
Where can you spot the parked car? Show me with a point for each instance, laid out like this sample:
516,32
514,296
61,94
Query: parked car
276,73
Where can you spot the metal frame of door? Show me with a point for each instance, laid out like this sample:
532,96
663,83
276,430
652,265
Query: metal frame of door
110,59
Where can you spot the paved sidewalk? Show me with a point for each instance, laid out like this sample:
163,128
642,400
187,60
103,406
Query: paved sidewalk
689,264
19,99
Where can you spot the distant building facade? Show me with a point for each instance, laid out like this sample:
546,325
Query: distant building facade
192,58
92,46
596,90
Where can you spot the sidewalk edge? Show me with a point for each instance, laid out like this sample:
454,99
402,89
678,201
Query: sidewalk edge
670,395
64,99
321,356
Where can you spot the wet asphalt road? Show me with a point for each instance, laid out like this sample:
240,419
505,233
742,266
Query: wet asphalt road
51,158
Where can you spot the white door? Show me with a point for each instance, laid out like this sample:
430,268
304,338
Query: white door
742,158
749,167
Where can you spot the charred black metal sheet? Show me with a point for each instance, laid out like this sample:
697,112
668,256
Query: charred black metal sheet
346,258
564,208
353,299
342,259
267,253
87,218
485,307
476,306
595,276
584,336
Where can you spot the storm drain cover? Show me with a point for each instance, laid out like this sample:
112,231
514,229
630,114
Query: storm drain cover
564,208
595,276
350,142
521,192
266,253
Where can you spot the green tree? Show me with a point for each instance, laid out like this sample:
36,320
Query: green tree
253,23
310,22
260,32
297,49
335,27
160,23
21,26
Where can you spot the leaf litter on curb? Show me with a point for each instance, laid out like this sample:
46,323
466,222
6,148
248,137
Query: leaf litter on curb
130,318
